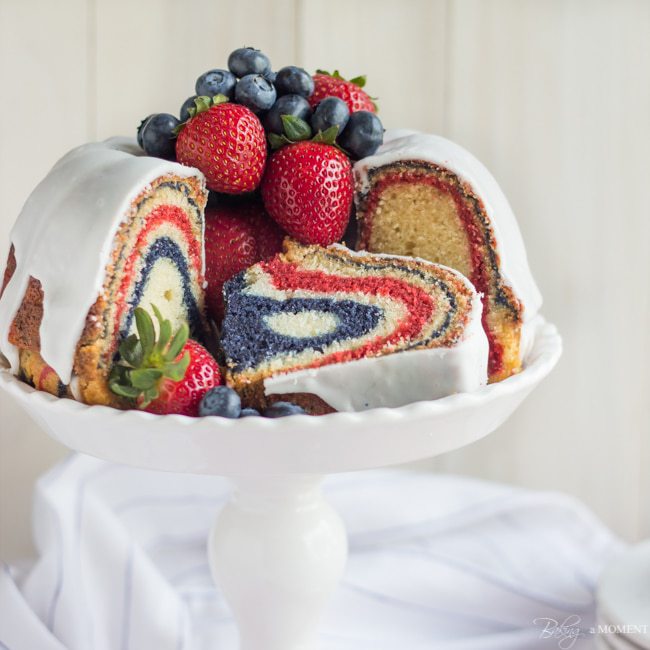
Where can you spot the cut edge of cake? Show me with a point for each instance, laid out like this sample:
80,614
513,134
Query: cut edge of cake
421,194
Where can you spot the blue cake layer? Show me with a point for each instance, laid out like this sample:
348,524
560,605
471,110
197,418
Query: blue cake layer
164,247
247,340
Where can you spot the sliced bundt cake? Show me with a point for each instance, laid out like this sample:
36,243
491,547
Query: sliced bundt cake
331,329
106,231
425,196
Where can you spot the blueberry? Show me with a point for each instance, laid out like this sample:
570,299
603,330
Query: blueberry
270,76
216,82
187,104
332,111
363,134
245,413
222,401
140,127
282,409
286,105
158,138
248,60
256,92
294,81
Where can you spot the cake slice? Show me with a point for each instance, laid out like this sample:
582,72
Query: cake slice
331,329
106,231
425,196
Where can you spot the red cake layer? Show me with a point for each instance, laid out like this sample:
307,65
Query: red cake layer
419,305
162,214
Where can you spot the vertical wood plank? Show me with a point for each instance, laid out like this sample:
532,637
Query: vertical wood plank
555,98
149,62
43,74
400,46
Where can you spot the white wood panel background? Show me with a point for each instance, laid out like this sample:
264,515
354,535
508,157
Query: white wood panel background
553,96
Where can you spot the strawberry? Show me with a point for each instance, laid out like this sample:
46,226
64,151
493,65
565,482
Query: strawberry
168,375
237,235
307,189
226,142
334,85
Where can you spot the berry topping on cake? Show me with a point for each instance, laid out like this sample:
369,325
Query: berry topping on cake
351,92
167,375
307,189
157,135
227,143
248,60
332,111
282,409
293,105
237,235
216,82
292,80
363,134
221,401
256,92
290,93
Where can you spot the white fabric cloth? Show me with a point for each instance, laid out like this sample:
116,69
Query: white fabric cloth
436,561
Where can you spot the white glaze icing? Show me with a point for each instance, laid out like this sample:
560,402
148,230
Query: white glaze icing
409,145
64,236
399,378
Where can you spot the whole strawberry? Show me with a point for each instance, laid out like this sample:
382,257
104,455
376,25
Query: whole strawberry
168,375
334,85
237,235
308,189
226,142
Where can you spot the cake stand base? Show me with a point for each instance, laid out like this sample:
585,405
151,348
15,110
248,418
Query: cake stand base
277,551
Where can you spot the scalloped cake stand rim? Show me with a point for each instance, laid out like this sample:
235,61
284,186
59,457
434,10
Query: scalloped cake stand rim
294,445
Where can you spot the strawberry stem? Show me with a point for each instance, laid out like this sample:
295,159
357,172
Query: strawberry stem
297,130
146,361
202,103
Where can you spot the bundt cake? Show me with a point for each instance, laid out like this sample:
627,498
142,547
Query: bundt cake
106,231
331,329
424,196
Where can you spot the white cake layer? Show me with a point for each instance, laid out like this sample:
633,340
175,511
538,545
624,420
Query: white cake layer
399,378
403,145
64,236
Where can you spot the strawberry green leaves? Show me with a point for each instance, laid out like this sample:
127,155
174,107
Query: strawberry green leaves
357,81
328,136
201,104
145,361
297,130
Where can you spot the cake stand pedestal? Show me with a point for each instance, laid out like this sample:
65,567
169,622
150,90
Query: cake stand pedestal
278,549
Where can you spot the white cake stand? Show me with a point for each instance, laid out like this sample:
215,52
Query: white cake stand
278,548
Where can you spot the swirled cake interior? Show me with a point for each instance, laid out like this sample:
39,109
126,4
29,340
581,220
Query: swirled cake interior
312,307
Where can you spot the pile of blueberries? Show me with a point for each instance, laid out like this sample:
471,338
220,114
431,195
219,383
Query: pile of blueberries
250,81
226,403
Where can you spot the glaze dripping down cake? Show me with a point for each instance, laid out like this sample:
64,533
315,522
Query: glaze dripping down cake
424,196
323,326
106,231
